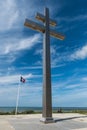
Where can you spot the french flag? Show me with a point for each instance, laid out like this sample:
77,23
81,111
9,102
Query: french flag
22,79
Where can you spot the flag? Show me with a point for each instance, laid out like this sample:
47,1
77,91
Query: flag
22,79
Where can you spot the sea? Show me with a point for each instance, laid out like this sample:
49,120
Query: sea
39,109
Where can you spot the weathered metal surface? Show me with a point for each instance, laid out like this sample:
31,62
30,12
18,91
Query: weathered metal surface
42,18
33,25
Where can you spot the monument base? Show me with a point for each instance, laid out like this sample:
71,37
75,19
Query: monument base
47,120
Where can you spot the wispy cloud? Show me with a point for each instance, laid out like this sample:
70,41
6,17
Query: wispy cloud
19,44
80,53
56,57
70,92
72,99
9,14
84,78
74,18
14,12
11,48
11,79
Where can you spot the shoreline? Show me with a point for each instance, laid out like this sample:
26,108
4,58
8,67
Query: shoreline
31,111
39,109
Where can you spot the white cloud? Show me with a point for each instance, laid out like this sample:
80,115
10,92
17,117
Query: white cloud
14,12
52,50
70,92
10,49
73,82
11,79
39,52
74,18
57,66
33,67
28,75
84,78
8,14
80,53
55,56
68,20
72,99
57,75
18,45
37,67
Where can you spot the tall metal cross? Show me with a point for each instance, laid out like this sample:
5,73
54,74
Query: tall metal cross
47,96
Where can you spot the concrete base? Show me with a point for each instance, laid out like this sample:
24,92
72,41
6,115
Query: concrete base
47,120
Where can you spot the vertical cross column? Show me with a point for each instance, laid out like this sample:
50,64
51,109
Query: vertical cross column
47,96
47,101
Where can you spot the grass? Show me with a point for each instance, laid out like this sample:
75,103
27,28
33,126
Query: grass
72,111
13,112
60,110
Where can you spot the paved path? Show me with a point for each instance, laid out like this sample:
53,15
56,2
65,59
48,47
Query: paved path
32,122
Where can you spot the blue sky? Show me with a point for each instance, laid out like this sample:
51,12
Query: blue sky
21,53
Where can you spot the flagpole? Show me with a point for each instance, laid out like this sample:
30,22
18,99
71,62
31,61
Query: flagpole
17,101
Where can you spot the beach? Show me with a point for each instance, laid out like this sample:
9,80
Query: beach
63,121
